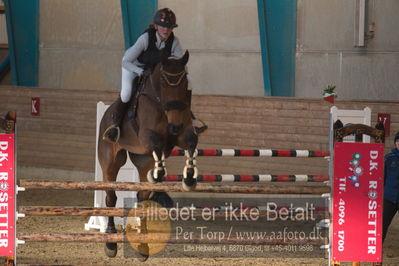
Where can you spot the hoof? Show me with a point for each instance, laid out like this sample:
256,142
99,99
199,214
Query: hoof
161,174
142,257
150,177
189,184
111,249
144,252
190,172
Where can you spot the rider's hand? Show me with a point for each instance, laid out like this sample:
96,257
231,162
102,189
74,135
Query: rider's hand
146,72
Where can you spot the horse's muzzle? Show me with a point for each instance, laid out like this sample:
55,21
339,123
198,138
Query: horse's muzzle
175,129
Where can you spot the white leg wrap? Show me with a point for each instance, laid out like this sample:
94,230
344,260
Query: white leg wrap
191,163
159,164
155,156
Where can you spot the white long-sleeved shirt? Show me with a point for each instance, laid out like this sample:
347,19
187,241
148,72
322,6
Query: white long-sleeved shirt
129,60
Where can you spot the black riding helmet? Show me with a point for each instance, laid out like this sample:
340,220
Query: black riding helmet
165,18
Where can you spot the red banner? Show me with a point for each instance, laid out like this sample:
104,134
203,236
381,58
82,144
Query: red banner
357,202
7,195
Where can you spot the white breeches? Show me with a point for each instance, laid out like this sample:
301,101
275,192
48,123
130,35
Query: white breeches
127,82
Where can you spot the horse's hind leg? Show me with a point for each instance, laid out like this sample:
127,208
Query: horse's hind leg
143,164
110,167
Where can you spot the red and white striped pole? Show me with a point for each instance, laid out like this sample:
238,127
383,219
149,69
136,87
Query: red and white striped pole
256,153
252,178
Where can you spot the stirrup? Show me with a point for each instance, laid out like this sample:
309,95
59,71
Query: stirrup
109,135
201,130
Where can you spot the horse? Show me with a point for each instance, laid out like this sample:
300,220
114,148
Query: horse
157,120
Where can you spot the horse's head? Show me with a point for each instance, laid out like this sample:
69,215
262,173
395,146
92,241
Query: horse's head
174,92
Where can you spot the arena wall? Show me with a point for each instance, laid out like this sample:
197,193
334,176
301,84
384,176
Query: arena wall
62,138
327,54
81,46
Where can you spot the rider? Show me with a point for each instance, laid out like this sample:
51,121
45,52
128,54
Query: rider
144,55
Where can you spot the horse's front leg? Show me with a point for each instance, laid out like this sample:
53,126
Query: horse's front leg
154,143
190,171
159,171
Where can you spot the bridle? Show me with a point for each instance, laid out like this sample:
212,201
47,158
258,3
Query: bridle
171,105
166,74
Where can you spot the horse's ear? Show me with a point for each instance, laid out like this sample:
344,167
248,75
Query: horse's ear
185,57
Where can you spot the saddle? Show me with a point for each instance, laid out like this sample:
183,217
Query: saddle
138,85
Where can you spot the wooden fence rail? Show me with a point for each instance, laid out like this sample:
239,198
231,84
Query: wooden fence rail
140,212
161,238
274,188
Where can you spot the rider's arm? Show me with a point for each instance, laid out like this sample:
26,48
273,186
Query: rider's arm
129,60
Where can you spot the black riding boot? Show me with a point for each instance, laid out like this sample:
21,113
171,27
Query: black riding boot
112,133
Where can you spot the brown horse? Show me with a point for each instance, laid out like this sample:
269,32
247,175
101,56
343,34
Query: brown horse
149,132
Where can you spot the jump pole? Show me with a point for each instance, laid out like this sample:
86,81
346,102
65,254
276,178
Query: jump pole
255,153
273,188
140,212
160,238
252,178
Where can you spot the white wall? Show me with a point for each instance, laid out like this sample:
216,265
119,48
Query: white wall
81,44
326,52
3,28
223,38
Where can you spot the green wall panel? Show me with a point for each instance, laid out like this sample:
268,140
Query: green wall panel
136,16
277,26
22,18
